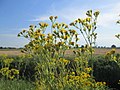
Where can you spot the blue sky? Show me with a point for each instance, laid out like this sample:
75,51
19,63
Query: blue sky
16,15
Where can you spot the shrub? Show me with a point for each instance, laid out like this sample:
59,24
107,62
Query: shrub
107,71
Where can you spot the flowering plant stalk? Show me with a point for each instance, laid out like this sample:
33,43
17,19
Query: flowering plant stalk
87,28
53,71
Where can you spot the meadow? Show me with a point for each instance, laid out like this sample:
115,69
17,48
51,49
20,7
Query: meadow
49,62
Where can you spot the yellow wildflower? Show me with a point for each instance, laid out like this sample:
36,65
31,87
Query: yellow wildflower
71,43
73,73
64,61
113,51
88,19
55,17
88,69
63,31
96,13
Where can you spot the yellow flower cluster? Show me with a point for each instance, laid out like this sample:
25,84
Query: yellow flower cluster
88,70
52,17
64,61
112,56
43,24
83,81
9,73
7,61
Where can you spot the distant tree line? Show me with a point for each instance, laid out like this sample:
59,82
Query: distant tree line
9,48
112,46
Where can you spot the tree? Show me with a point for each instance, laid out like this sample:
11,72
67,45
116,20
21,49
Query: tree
113,46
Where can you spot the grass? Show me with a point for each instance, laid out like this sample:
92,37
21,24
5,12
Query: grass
16,85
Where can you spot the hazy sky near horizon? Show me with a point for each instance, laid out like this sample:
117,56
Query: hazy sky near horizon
16,15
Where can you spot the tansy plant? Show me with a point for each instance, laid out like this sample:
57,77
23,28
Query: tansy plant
53,71
7,72
87,27
55,43
113,56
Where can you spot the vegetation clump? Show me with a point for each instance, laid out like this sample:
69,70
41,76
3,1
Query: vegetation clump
46,66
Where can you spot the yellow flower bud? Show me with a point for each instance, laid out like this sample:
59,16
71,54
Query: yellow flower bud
71,43
88,19
51,17
80,20
73,73
54,25
55,17
24,31
66,26
89,13
31,26
72,24
96,13
113,51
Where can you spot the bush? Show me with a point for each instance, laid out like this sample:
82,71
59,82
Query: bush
24,64
107,71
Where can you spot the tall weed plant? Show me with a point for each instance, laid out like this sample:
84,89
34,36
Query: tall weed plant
53,71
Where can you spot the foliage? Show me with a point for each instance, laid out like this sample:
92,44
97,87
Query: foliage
21,67
87,27
113,46
5,70
52,44
53,71
16,85
45,64
107,69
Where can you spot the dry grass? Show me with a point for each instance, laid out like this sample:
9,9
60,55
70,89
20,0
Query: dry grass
10,52
104,50
98,51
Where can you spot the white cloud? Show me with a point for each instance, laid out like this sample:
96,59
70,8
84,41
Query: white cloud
109,16
107,40
71,14
108,13
41,18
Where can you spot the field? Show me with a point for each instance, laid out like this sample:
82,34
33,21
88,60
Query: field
50,65
28,69
10,52
98,51
14,52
